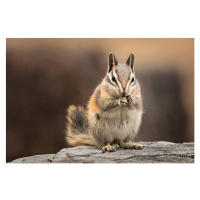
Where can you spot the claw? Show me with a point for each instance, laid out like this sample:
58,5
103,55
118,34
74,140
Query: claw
108,149
123,100
130,98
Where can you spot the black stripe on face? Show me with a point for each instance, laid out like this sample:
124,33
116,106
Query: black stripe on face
110,81
133,79
114,78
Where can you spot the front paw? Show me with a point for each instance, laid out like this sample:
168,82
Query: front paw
130,98
123,101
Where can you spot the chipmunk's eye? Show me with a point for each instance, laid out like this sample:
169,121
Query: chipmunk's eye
113,79
132,80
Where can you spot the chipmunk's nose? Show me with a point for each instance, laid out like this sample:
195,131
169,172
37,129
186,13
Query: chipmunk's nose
124,93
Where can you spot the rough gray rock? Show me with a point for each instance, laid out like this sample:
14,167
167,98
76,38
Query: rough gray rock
35,159
152,152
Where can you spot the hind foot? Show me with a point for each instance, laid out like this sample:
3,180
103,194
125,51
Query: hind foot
130,146
108,148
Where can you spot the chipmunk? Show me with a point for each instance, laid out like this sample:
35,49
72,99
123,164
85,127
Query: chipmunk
114,112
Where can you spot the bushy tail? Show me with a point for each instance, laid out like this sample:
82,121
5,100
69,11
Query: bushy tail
77,127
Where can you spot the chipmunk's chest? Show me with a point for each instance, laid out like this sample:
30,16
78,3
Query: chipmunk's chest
119,114
122,118
121,123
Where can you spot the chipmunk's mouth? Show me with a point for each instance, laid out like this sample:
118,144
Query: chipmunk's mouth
124,94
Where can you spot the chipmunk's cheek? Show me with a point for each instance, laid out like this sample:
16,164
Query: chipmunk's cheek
119,92
129,91
133,88
114,91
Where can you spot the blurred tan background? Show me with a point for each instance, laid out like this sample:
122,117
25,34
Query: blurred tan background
45,76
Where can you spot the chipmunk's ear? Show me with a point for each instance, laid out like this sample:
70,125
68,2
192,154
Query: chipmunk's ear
130,62
111,61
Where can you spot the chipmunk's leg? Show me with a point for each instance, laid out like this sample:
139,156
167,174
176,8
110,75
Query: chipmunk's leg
130,146
108,148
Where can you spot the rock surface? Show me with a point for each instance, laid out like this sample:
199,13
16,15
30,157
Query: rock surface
152,152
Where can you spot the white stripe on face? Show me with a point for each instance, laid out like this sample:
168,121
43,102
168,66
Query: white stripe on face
118,82
132,75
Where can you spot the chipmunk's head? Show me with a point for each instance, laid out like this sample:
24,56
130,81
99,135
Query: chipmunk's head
121,76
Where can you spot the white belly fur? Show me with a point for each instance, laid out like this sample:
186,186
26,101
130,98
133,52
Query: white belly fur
121,123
